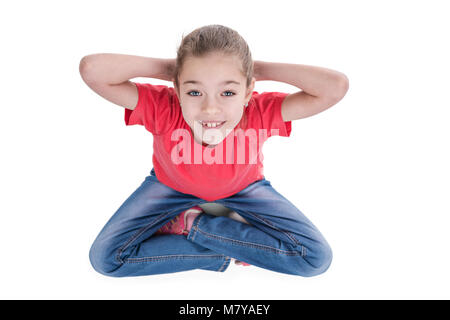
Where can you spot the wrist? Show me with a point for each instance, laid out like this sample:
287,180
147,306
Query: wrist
168,69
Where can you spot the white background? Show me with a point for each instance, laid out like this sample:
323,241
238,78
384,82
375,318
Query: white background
371,172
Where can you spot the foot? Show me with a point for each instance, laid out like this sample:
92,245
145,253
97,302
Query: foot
242,263
182,223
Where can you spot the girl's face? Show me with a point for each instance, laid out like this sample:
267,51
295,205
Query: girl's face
212,95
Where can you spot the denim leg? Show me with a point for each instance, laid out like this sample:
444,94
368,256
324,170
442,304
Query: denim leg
279,238
125,246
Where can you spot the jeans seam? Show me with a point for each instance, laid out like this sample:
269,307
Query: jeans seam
174,256
195,227
248,244
288,234
225,264
141,231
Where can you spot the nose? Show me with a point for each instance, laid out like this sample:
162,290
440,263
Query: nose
211,108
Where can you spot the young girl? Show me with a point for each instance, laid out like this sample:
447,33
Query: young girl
208,133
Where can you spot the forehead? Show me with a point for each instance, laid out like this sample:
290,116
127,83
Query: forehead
214,68
226,82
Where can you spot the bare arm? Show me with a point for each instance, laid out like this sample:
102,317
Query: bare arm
113,68
320,87
108,75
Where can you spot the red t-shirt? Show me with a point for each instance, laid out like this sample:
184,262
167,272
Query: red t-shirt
209,173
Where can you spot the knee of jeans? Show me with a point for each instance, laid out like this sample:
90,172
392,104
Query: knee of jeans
102,259
318,258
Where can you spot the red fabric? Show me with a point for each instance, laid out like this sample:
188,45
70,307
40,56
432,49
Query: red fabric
208,173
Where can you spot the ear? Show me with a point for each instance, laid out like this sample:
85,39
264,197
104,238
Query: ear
250,90
176,89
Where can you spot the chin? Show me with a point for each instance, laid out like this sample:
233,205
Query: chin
213,139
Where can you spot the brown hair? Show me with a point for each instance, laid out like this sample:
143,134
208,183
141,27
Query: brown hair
214,38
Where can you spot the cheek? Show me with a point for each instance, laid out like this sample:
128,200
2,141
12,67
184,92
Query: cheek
237,113
188,114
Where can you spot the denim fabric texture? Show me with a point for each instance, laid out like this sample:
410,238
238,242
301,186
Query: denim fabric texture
278,237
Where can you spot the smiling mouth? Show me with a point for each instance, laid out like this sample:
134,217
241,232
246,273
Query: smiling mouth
212,124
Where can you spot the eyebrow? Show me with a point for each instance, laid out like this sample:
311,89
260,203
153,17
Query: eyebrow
225,82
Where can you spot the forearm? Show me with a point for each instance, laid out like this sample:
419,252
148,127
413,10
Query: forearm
316,81
115,68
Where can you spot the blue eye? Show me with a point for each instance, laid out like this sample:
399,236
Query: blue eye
189,93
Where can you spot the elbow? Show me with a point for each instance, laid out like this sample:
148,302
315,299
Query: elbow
344,83
85,69
83,65
341,88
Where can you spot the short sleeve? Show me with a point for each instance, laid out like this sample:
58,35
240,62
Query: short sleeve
155,109
268,104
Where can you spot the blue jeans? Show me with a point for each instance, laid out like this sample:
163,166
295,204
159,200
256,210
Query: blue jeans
278,237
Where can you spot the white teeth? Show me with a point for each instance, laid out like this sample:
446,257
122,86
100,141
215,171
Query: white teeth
211,124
